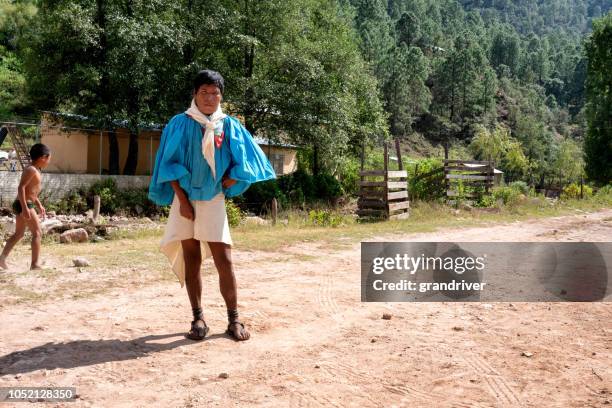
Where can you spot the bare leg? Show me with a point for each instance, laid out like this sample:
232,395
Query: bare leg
193,280
34,225
222,256
20,227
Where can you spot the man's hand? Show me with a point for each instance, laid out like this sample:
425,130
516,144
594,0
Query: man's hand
227,182
43,212
186,209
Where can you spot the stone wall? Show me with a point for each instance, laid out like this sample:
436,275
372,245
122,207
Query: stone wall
56,186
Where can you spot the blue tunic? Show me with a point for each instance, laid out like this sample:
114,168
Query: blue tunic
179,157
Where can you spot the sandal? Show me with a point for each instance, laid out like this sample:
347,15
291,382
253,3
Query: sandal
197,332
232,333
232,317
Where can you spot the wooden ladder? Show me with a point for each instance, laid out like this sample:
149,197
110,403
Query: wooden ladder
23,154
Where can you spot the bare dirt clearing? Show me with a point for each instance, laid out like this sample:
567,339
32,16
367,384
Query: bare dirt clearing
313,344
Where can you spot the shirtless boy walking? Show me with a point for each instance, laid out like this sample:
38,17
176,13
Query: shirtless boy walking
27,200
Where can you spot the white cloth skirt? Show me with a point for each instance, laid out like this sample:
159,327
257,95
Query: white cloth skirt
210,225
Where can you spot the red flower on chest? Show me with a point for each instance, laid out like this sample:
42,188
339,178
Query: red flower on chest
218,138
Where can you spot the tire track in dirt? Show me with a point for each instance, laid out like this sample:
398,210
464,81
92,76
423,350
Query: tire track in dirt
300,399
326,295
409,393
495,383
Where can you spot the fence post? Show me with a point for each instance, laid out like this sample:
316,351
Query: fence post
581,185
386,159
386,178
96,209
400,165
491,176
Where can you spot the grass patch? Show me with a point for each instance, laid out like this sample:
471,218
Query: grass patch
424,217
22,295
132,258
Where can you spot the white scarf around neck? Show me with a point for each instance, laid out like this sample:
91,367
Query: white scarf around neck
209,123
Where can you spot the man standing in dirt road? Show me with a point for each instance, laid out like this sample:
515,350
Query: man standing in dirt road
204,156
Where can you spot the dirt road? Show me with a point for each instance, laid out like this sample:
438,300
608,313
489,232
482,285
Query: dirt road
314,344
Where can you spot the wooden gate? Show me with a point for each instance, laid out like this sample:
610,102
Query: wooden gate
467,179
383,193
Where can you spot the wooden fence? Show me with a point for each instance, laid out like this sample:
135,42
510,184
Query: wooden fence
383,193
467,179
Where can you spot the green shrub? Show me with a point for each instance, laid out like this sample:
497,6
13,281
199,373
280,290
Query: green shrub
605,191
112,201
324,218
109,195
604,195
572,191
487,201
259,196
302,180
428,188
234,214
136,202
508,195
327,187
520,186
298,187
348,173
73,203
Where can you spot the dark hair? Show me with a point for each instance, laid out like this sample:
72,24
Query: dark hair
208,77
39,150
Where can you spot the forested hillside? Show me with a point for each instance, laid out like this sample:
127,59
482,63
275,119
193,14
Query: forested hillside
327,75
448,69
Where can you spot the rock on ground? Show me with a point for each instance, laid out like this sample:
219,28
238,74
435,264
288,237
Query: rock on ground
74,235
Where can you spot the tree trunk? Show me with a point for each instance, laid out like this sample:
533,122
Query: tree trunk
131,162
315,160
113,154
